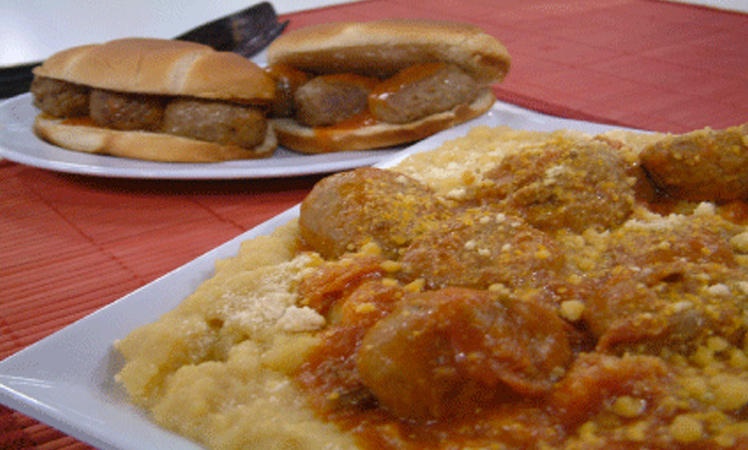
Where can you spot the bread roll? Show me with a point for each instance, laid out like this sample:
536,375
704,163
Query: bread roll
384,50
168,70
163,67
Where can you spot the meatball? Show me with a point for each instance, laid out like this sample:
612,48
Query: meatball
347,210
444,353
125,111
212,121
596,380
570,185
421,91
60,98
330,99
287,81
480,247
703,165
683,292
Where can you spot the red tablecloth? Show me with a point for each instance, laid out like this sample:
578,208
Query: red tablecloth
72,244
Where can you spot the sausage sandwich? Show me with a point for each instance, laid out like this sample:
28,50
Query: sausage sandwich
354,86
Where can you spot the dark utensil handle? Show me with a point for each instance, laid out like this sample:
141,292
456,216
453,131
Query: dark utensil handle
16,80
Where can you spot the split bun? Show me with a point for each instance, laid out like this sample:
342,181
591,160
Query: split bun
161,67
219,98
383,50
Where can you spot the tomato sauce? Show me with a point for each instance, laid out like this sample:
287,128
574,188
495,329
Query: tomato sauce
660,394
403,78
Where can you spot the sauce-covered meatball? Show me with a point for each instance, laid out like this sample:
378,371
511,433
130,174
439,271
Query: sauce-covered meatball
480,247
570,185
420,91
666,285
704,165
329,99
443,353
347,210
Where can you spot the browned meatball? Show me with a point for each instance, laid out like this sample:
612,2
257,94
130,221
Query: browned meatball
669,308
703,165
596,380
349,209
444,353
480,247
421,91
212,121
330,99
570,185
683,292
60,98
287,81
124,111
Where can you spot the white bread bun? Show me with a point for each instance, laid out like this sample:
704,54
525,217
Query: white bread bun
382,48
163,67
332,139
143,145
155,67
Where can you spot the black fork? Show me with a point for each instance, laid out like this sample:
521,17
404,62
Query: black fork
246,32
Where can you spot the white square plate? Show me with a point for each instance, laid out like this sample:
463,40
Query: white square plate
66,379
